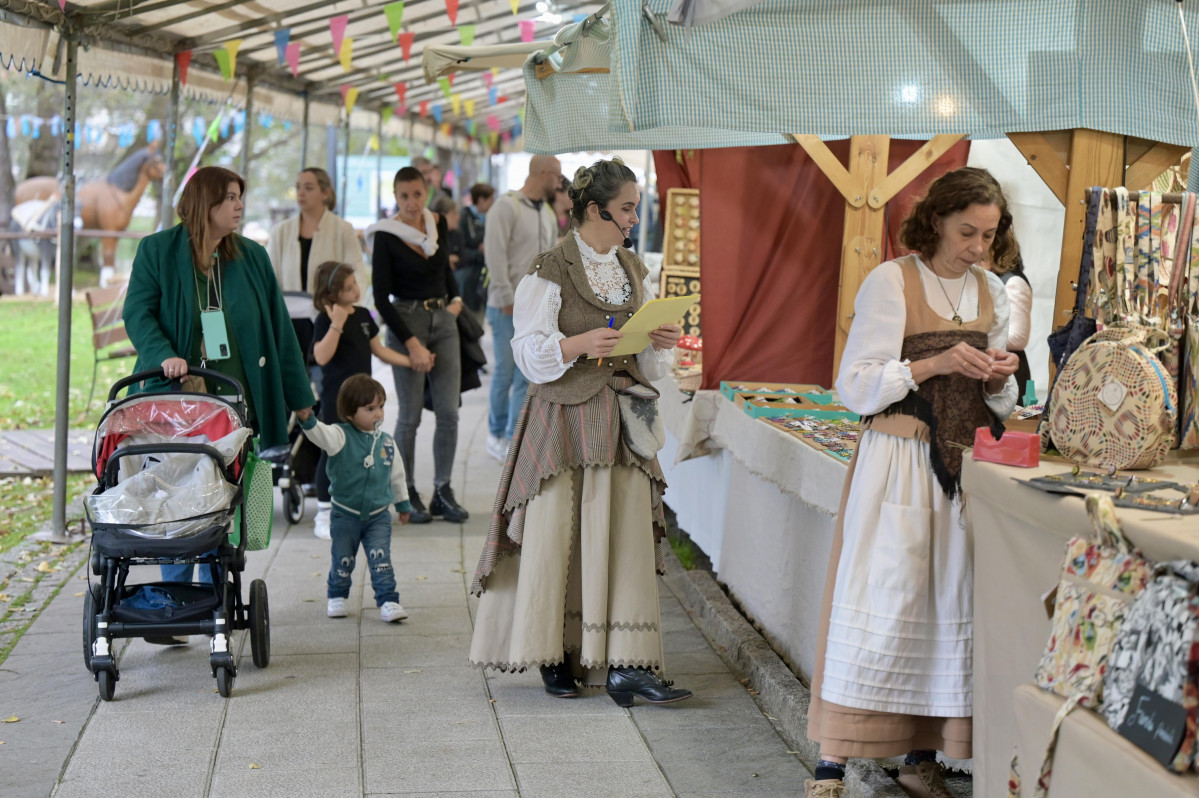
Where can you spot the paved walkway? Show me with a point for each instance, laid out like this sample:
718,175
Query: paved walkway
356,707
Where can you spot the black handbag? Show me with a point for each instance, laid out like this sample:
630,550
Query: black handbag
1066,339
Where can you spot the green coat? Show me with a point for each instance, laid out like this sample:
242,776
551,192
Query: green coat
160,315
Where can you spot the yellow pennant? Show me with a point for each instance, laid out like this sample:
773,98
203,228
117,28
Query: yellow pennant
373,144
515,5
351,97
347,52
456,103
446,130
495,72
469,105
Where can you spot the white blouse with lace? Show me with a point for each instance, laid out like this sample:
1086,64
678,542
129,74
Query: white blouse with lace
536,342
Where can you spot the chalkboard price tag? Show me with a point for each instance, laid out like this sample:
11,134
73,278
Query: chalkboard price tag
1154,724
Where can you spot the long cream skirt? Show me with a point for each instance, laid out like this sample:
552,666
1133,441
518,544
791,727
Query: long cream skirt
583,586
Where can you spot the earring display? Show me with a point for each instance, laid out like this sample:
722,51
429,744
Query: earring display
836,437
680,257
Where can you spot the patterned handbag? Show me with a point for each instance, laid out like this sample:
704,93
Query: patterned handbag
1155,649
1188,387
1113,404
1100,578
259,505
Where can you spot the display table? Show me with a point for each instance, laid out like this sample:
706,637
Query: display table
761,505
1019,538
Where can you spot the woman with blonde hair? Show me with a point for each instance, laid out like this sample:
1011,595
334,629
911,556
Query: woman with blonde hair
314,236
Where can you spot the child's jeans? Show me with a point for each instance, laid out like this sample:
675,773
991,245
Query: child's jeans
374,535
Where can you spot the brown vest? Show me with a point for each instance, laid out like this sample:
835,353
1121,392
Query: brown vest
581,311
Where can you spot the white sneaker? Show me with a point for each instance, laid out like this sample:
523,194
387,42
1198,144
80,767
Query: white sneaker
336,608
391,611
320,526
497,447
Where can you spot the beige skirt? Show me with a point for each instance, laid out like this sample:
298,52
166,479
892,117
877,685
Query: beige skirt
583,587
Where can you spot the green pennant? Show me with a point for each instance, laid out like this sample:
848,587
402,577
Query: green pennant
444,83
466,34
387,113
395,15
222,61
214,130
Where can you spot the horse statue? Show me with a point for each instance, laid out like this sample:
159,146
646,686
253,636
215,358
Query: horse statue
33,258
103,204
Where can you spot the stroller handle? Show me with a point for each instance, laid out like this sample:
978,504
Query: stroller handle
176,384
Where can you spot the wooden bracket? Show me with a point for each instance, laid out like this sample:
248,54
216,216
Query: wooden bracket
1148,167
1043,156
908,171
851,188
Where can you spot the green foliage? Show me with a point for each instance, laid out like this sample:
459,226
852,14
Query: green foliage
685,550
26,504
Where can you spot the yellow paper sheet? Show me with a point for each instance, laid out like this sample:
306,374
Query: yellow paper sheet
653,314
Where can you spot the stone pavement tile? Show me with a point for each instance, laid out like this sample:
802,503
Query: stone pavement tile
472,794
320,636
592,779
439,547
396,720
55,643
420,766
698,712
154,674
693,662
734,775
524,694
421,595
436,621
293,690
149,729
433,683
735,743
573,739
288,782
414,650
445,571
711,685
326,742
141,773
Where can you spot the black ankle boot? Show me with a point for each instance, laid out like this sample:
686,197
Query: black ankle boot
558,681
419,514
624,683
444,504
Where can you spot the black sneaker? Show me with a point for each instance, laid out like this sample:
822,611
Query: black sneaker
419,514
443,504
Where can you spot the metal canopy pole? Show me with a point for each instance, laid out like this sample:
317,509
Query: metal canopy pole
345,167
304,135
376,191
166,213
57,532
247,129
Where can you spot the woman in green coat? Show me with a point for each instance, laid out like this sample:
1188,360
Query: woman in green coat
203,266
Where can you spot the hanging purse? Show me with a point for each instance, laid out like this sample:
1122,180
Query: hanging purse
259,501
640,421
1188,385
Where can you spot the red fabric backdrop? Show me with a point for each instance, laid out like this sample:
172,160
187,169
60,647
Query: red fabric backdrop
770,254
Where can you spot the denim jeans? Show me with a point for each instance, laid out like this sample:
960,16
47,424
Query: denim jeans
508,385
183,572
438,331
374,535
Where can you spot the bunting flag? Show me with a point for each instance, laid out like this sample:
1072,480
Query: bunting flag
214,129
495,72
62,6
436,109
223,126
446,130
386,112
373,143
469,105
506,136
424,109
349,96
401,109
503,98
183,60
293,58
444,83
493,94
226,59
346,53
493,138
450,77
337,27
401,92
456,104
466,35
451,10
527,29
406,44
493,122
199,131
470,127
487,79
395,16
282,37
515,6
521,114
239,121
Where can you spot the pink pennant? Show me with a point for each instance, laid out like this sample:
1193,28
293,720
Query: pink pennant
62,4
401,109
402,92
337,26
451,10
506,136
493,122
487,78
527,29
292,56
406,39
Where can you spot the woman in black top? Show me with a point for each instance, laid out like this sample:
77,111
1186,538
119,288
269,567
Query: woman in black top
417,295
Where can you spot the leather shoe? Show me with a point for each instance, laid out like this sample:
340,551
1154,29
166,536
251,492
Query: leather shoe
558,681
419,514
624,683
446,506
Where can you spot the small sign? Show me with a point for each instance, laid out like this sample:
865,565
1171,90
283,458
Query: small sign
1154,724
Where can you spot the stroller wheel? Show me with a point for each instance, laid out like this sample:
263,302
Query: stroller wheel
224,681
107,682
91,605
260,624
293,503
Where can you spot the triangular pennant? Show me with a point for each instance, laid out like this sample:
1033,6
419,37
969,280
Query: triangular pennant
222,129
495,72
436,109
349,96
282,37
346,53
214,129
405,39
456,104
222,61
521,114
527,29
446,130
232,48
424,108
492,95
487,79
444,83
503,98
469,105
199,131
450,77
395,16
337,27
62,6
470,127
293,58
401,92
239,121
386,112
494,139
466,35
373,144
401,109
515,6
506,136
451,10
493,122
183,60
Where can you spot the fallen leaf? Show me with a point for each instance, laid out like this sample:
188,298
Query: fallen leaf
461,722
457,571
421,578
3,597
416,671
310,600
12,719
316,573
77,595
45,567
255,766
58,721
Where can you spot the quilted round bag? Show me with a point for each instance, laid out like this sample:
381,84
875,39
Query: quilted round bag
1113,404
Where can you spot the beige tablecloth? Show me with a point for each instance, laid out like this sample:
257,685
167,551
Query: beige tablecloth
1019,537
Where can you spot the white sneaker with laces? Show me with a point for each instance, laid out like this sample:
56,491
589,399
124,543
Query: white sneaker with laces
320,526
336,608
497,447
391,611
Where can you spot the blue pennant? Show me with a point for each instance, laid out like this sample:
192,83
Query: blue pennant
199,131
153,131
282,37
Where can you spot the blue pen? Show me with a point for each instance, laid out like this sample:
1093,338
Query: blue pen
610,320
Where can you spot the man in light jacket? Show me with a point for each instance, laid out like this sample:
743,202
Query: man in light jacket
520,226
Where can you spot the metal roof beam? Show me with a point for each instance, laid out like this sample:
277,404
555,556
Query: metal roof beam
166,23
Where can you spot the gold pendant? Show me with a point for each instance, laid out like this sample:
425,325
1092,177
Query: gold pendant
957,320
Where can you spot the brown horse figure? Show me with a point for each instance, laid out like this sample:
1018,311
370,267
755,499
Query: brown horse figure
104,204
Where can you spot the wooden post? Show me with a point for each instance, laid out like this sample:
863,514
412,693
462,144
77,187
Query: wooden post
862,241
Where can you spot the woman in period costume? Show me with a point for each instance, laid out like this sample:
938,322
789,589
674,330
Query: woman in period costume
925,366
567,577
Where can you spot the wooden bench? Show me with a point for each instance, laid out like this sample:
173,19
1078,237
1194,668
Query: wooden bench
109,339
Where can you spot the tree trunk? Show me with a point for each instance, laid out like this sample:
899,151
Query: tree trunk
45,152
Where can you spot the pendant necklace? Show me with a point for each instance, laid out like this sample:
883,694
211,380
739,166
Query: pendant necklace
957,318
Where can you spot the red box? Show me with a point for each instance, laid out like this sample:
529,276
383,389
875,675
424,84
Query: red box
1021,449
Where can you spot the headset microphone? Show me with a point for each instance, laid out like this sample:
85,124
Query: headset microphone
607,217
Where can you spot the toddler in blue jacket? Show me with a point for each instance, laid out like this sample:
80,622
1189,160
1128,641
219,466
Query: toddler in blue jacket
366,477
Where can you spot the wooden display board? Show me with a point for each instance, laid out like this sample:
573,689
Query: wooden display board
680,252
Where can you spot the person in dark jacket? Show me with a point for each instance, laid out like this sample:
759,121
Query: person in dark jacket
472,224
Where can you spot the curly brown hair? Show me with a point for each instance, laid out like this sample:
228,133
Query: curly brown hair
953,192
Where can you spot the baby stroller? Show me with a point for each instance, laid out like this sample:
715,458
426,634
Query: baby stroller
294,465
170,468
